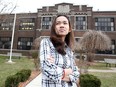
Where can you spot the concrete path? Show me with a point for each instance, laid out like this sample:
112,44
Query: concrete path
111,70
37,81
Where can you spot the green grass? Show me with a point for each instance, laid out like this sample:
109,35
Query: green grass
107,79
10,69
99,65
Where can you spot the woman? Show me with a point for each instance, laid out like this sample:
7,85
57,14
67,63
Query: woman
56,55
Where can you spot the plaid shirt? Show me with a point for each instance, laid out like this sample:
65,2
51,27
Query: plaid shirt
52,72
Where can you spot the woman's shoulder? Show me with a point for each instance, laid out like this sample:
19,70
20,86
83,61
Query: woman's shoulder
45,40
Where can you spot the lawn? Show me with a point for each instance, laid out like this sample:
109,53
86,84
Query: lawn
10,69
108,79
100,65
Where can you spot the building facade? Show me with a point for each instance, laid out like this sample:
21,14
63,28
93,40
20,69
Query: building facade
29,26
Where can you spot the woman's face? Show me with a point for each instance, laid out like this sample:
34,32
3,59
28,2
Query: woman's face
62,26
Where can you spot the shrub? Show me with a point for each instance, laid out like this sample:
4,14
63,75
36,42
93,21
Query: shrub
24,74
88,80
14,80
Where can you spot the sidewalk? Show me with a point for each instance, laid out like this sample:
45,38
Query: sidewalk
111,70
37,81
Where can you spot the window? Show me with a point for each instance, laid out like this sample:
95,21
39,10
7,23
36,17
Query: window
104,24
77,39
27,24
25,43
81,23
46,22
5,42
112,51
113,47
7,24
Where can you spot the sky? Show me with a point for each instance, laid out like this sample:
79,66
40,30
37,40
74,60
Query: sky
33,5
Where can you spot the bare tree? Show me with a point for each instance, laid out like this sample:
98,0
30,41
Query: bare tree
36,43
35,53
90,42
94,40
6,7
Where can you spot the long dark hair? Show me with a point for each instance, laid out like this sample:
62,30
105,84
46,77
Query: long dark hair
56,40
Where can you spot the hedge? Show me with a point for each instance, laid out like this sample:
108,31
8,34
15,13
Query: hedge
21,76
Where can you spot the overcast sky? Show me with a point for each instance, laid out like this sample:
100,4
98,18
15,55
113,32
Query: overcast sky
33,5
